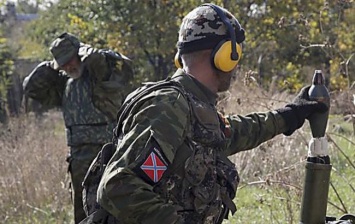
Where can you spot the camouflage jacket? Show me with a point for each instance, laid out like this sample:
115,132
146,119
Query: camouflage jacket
89,103
171,164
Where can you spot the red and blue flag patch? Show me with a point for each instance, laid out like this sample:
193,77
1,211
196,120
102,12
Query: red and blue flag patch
153,165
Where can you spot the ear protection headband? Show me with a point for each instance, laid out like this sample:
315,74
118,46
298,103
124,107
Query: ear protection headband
227,53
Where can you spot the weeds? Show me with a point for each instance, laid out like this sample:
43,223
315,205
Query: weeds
272,174
33,169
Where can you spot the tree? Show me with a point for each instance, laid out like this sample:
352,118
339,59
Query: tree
6,69
289,39
144,30
284,39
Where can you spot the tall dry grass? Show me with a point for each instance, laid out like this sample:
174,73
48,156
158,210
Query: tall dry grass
278,161
33,177
278,165
33,169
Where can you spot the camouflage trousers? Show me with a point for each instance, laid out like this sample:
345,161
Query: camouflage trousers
79,159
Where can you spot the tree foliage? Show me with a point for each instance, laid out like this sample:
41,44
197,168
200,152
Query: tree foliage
6,69
285,40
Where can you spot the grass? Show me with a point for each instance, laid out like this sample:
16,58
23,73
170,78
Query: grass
271,204
33,180
272,175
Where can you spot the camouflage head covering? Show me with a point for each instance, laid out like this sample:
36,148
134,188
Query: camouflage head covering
203,29
64,48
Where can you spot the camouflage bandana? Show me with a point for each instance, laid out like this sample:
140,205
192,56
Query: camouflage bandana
203,29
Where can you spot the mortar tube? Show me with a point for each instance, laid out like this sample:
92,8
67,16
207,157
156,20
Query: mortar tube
315,193
318,167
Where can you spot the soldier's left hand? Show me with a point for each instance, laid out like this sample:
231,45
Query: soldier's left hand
300,109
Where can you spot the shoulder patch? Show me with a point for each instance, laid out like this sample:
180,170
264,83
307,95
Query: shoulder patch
152,167
225,125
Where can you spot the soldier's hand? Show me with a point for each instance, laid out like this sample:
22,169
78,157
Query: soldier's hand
51,65
299,110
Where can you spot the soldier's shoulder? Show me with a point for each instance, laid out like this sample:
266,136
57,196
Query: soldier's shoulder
166,94
169,97
43,65
88,53
45,68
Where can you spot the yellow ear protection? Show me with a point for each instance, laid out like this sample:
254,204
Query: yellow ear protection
177,60
227,53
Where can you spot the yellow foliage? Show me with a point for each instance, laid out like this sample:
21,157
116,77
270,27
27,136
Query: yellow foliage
342,46
293,82
290,67
334,66
77,22
338,82
324,13
269,21
313,24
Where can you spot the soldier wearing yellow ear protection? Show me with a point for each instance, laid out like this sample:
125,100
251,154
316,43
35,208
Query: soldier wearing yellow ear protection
211,27
170,161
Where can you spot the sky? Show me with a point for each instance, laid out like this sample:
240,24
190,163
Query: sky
31,2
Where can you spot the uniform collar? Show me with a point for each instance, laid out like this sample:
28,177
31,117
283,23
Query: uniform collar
192,85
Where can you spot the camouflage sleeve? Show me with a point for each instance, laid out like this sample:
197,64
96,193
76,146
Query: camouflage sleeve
152,135
96,64
247,132
45,85
102,63
111,81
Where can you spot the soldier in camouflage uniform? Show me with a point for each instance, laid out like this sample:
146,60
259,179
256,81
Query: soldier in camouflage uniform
89,85
170,163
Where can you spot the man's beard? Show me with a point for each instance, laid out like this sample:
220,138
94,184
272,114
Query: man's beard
74,73
225,79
